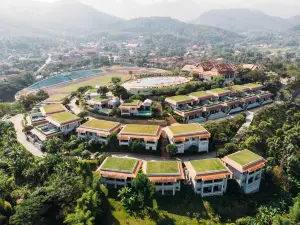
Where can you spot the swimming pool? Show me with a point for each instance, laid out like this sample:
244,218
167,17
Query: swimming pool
159,82
61,78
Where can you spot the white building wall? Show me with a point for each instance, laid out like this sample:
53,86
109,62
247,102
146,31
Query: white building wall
68,128
202,145
163,187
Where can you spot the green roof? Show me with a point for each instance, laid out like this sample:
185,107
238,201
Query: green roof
57,97
186,128
207,165
121,164
162,167
93,90
100,124
53,108
101,98
140,129
63,117
219,90
244,157
238,87
200,94
131,102
180,98
253,85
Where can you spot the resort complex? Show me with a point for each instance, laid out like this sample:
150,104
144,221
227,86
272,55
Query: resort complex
136,108
217,103
207,177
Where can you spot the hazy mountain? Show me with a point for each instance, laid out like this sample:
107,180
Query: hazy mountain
63,17
71,17
240,20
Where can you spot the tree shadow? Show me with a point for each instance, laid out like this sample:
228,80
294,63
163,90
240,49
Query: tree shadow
166,221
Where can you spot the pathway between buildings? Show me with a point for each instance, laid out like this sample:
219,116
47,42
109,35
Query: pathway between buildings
16,120
245,126
74,107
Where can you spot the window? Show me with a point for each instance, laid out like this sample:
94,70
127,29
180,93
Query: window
217,188
250,180
257,177
208,182
207,189
218,180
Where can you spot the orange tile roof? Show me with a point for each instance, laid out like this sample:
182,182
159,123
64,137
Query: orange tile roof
248,168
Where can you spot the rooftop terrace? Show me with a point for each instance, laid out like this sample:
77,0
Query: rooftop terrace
131,102
207,165
57,98
219,90
140,129
200,94
244,157
186,128
53,108
100,124
119,164
162,167
63,117
180,98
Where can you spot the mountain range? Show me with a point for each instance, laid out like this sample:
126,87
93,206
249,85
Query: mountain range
245,20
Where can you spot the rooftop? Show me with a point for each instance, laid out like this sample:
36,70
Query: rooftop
200,94
57,98
219,90
120,164
100,124
53,108
93,90
63,117
253,85
239,87
180,98
244,157
162,167
131,102
140,129
101,98
186,128
207,165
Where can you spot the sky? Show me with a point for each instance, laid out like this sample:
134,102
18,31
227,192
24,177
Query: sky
186,10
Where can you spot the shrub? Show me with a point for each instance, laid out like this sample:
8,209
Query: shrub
172,149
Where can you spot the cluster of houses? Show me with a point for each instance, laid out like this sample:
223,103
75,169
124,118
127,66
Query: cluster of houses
208,177
210,69
217,103
104,104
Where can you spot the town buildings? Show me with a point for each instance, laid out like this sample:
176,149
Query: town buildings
188,136
136,108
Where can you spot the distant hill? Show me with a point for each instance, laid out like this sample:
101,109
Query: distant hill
240,20
72,18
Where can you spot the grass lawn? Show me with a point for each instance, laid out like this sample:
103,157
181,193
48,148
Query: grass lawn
131,102
100,124
200,94
53,108
186,128
121,164
140,129
100,98
101,81
57,97
63,117
162,167
180,98
244,157
207,165
93,90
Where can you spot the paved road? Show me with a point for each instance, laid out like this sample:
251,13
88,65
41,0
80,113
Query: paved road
245,126
16,120
74,107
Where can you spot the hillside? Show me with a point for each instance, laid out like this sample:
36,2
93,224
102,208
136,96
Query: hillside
240,20
169,26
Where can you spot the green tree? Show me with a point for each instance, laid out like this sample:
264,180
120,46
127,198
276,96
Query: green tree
137,146
172,149
119,91
103,90
53,145
116,80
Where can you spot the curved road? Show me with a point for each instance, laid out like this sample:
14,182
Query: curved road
16,120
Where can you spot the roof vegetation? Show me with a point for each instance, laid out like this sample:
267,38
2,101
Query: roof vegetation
207,165
100,124
162,167
180,98
63,117
140,129
53,108
187,128
244,157
121,164
57,97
